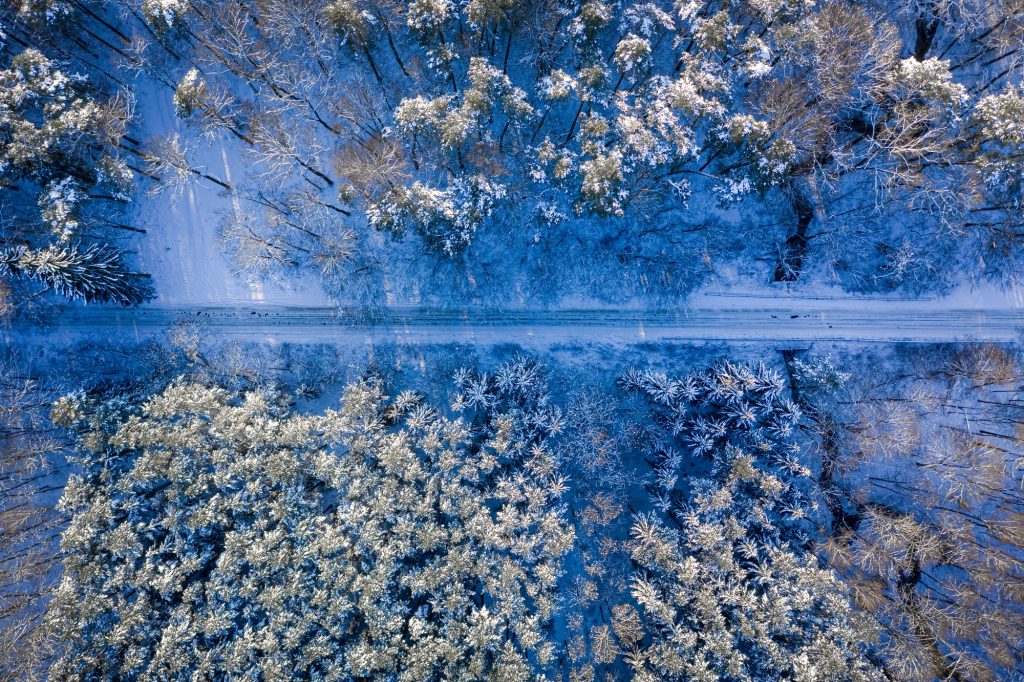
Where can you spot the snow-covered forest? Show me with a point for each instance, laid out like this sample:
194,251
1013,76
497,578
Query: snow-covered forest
512,340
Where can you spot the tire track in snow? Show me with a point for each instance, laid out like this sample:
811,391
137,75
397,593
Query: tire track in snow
255,287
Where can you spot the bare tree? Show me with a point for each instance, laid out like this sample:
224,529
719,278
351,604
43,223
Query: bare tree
29,523
926,480
170,160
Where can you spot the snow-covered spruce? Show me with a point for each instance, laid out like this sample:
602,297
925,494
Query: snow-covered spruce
220,535
726,586
95,273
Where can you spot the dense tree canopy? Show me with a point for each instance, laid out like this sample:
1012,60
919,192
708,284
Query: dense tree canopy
726,586
217,534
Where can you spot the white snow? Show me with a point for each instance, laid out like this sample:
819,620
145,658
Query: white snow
180,248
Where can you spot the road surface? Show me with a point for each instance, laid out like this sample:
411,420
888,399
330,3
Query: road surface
751,319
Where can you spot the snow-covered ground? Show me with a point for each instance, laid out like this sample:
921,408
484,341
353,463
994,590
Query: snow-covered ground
180,248
190,271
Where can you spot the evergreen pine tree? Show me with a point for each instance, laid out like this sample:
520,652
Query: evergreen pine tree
95,274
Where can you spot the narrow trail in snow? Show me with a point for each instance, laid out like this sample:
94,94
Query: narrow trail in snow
774,323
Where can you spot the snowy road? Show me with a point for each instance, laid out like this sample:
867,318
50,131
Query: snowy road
732,319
